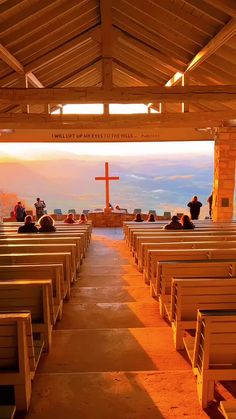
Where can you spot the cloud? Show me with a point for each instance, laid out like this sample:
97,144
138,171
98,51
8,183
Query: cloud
180,177
136,177
160,177
158,190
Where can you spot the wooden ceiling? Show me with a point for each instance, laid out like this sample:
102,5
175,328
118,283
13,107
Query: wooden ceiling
118,43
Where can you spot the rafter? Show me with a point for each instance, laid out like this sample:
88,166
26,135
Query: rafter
141,94
228,31
10,60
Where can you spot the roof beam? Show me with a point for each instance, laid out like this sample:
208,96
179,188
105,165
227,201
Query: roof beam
227,32
10,60
138,94
152,121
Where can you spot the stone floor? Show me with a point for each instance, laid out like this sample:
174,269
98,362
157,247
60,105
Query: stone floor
112,355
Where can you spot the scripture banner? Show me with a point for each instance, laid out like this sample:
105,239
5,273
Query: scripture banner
105,135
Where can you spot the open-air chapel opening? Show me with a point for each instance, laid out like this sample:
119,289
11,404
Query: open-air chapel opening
115,312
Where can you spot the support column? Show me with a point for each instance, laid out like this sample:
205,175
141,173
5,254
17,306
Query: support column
224,174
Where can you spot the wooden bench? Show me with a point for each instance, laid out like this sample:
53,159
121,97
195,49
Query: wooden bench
54,272
43,258
146,243
210,269
74,234
43,248
47,240
214,357
190,294
155,256
163,234
228,408
35,297
19,356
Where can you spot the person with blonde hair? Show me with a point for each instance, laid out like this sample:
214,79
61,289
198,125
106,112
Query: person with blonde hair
46,223
82,219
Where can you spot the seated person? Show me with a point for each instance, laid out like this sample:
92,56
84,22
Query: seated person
46,223
138,218
174,224
70,219
151,218
82,219
29,226
186,223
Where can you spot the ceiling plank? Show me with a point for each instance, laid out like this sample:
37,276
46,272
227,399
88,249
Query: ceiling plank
150,53
119,95
195,22
226,6
27,14
208,10
63,49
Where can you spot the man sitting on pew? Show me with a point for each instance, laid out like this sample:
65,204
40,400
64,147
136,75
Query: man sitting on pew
174,224
29,226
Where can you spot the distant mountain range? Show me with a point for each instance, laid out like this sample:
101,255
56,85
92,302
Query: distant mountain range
162,182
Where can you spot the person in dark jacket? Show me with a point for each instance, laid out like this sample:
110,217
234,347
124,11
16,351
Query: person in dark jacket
29,226
186,223
194,206
210,200
46,224
19,212
174,224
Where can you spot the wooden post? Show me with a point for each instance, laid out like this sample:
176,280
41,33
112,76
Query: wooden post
224,174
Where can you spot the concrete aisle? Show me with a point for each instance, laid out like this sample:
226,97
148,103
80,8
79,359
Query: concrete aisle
112,355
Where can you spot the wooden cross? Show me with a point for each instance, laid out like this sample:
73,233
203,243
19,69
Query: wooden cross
107,178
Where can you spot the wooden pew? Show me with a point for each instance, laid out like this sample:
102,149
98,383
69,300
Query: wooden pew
76,235
54,272
36,297
155,256
44,248
190,294
210,269
18,356
214,356
46,240
137,235
146,243
43,258
228,408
